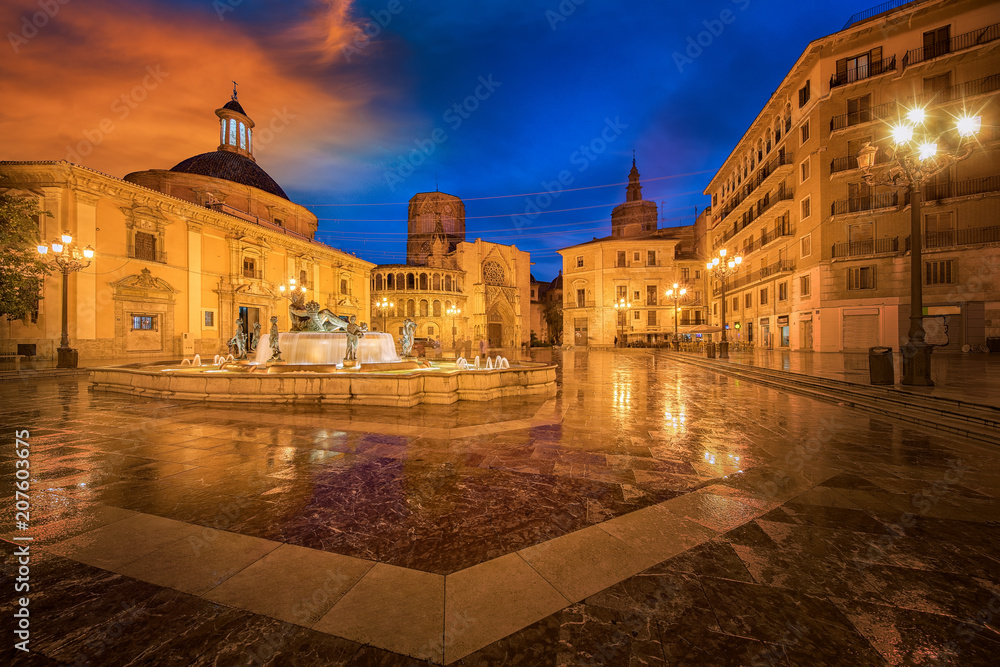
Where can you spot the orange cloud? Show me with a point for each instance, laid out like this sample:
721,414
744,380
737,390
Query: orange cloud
120,88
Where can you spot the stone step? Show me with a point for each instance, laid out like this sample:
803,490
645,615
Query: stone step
971,420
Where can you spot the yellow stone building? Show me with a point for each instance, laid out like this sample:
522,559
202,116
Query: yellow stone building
826,257
488,282
181,254
638,263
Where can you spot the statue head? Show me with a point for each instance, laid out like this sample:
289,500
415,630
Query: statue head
354,318
274,319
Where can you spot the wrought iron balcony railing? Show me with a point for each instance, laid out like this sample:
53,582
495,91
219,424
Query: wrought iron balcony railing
968,186
958,237
866,203
878,112
889,244
783,158
957,43
862,72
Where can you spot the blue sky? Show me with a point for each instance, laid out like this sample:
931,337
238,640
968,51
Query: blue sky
544,87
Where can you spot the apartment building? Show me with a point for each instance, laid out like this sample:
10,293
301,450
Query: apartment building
826,257
636,265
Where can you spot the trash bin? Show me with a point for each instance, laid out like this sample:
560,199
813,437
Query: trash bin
710,349
880,365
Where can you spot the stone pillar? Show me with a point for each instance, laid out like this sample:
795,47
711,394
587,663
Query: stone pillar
84,311
194,318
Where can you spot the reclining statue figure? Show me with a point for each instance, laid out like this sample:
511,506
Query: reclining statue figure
309,317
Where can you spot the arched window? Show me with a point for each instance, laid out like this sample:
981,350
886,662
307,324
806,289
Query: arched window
437,283
447,283
399,281
411,308
232,133
243,136
437,309
390,282
423,308
410,282
447,305
378,283
430,329
423,281
493,273
777,129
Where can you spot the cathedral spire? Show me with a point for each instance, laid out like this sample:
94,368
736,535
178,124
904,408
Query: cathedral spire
634,190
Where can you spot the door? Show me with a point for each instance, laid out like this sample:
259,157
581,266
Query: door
806,335
580,332
495,334
860,332
249,316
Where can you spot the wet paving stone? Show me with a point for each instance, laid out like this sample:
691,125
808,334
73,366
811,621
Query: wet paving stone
840,538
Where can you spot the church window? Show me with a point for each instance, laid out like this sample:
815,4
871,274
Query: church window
493,274
410,282
437,309
447,283
343,286
423,281
437,283
411,308
232,133
249,140
423,308
145,246
243,136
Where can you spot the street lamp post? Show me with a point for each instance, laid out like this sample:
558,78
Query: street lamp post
675,294
383,307
622,306
68,258
915,157
722,269
452,311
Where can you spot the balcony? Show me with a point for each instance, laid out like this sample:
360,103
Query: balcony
780,165
254,274
862,72
849,162
783,229
963,188
767,203
861,116
866,203
959,237
883,246
781,266
958,43
959,92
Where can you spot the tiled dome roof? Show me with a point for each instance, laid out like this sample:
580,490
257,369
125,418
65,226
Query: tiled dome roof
231,166
234,106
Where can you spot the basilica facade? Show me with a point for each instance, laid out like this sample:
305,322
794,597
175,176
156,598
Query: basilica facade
181,254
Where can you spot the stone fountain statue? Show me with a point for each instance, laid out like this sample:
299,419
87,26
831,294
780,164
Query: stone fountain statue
354,332
255,339
238,343
273,340
409,328
309,317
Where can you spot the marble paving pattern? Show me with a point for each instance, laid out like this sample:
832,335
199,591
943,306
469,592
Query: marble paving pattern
651,513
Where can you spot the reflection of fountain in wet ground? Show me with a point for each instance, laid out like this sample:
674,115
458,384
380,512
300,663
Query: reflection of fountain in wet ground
327,348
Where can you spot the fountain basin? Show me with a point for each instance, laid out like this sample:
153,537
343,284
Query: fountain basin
327,348
437,383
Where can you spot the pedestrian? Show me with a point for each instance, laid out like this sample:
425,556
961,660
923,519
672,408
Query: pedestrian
482,347
616,341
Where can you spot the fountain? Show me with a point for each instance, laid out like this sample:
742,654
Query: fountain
325,359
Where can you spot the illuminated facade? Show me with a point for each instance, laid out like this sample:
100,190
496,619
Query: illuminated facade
826,262
488,282
181,253
638,263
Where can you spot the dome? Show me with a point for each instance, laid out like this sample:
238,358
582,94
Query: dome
230,166
233,105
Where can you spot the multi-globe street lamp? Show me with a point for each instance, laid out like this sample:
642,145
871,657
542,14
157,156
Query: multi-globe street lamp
68,258
383,307
722,269
622,306
675,293
915,157
452,311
